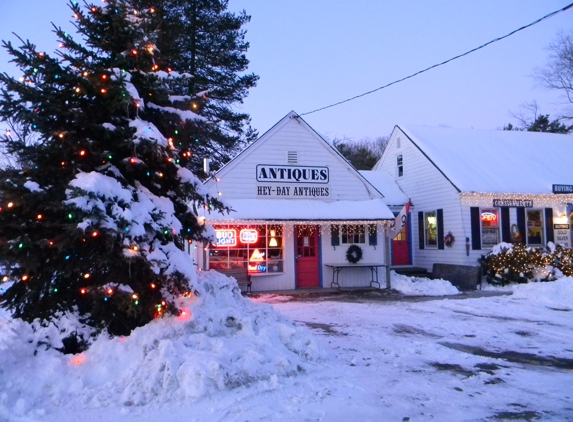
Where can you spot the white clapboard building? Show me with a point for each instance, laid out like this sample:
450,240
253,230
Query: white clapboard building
297,207
472,189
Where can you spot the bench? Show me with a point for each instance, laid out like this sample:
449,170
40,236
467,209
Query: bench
240,274
464,277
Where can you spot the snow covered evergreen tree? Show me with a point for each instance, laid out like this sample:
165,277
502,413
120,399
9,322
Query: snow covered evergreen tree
203,38
97,219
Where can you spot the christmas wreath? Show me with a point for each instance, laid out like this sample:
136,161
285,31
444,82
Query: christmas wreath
354,254
449,239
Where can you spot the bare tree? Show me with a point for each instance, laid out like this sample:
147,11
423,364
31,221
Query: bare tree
364,153
558,72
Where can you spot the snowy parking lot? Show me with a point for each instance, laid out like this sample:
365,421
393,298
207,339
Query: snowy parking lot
380,358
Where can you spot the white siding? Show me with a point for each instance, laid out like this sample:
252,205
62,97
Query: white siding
238,179
429,190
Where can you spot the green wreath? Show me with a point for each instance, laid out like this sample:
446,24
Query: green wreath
354,254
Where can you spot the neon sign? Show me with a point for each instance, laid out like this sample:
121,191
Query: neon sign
488,216
225,237
249,236
257,256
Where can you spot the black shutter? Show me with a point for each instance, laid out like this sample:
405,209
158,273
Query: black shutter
372,235
549,224
521,224
335,235
476,228
440,218
421,229
505,227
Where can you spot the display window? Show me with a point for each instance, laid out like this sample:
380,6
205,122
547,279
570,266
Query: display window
352,233
489,226
431,228
260,248
534,222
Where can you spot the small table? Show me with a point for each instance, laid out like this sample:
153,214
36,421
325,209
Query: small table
336,268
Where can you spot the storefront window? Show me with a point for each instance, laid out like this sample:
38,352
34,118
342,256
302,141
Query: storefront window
489,226
353,233
431,228
534,221
256,247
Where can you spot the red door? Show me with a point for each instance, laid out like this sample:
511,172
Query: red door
306,256
401,247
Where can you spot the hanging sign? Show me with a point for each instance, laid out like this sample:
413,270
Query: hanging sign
562,189
562,234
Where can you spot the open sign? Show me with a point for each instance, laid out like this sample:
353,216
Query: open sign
488,216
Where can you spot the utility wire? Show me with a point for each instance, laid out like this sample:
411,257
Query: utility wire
444,62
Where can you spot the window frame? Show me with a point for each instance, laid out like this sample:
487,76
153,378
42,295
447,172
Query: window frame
540,227
400,165
426,230
241,254
498,228
360,234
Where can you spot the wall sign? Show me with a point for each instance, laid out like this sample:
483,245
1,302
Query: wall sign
562,189
562,234
293,191
268,173
225,237
527,203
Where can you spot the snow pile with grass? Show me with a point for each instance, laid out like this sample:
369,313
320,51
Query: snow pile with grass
220,342
421,286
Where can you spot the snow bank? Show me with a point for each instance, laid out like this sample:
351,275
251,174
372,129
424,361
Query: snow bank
557,293
222,341
421,286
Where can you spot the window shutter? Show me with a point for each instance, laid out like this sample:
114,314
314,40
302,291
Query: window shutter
549,224
421,229
521,224
476,228
335,235
505,228
372,235
440,218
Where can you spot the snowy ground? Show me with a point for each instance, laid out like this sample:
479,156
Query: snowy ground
505,357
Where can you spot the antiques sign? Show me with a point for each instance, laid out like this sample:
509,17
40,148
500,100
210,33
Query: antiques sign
294,181
292,174
527,203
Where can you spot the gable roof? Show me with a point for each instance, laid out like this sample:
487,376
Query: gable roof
496,161
386,184
346,194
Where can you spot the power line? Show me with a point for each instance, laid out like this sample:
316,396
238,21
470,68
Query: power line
444,62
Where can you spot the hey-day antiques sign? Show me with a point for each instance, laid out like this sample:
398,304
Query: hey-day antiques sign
292,181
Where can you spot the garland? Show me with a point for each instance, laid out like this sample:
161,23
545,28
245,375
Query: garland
354,254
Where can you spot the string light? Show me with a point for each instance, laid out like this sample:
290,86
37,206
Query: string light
103,90
10,204
86,276
39,216
24,278
83,291
82,152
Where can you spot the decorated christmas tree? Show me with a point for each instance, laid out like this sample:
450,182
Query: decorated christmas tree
96,217
205,39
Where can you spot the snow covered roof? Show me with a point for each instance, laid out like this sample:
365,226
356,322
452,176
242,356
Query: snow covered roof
497,161
384,183
305,209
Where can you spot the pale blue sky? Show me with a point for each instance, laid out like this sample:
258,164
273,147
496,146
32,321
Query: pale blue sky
311,53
